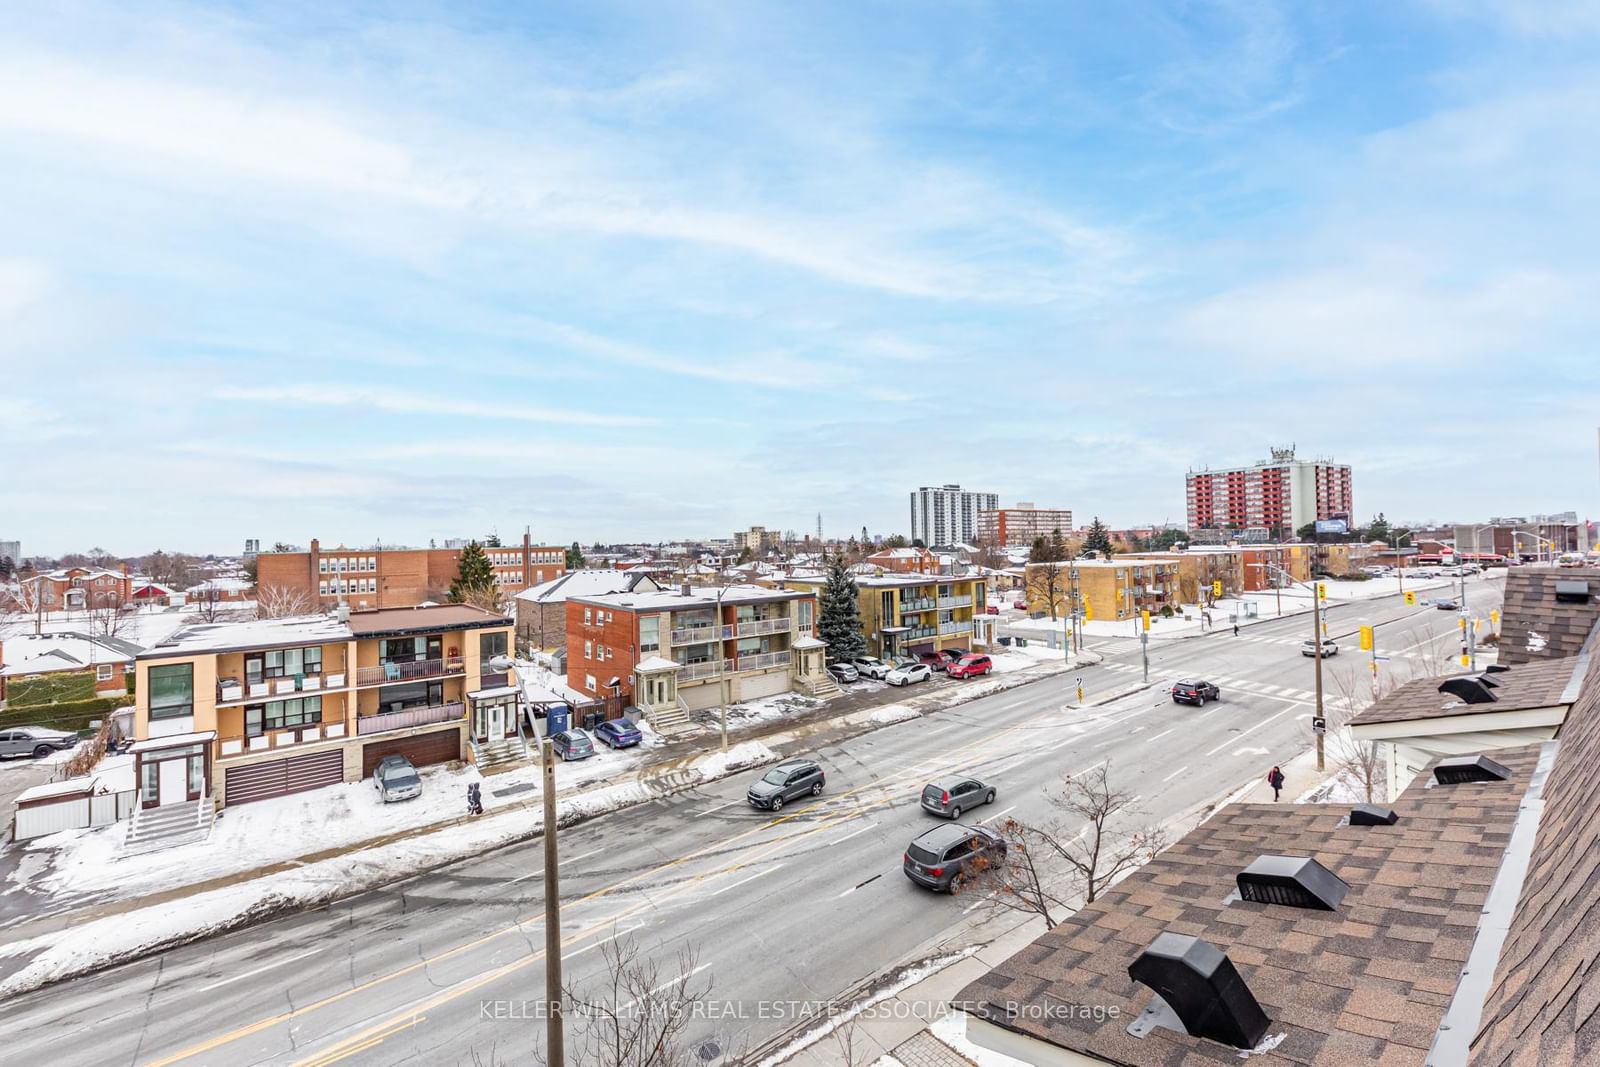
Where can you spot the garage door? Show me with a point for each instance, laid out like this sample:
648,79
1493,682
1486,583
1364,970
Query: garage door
441,746
763,685
277,778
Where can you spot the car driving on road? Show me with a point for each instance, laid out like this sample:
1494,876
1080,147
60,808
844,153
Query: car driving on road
1196,693
941,857
953,794
1309,648
396,779
911,672
1446,604
788,781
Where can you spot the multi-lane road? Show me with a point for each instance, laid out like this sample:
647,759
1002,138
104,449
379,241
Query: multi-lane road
778,910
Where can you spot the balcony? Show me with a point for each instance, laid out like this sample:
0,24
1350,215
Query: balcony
693,672
409,717
916,604
954,628
955,602
761,661
288,737
697,635
916,633
232,691
411,671
755,661
757,627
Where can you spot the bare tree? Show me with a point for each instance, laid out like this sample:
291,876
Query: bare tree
1358,758
637,1013
207,601
1046,583
280,602
1050,866
107,610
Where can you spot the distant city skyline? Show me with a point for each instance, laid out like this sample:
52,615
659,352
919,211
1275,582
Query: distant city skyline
620,270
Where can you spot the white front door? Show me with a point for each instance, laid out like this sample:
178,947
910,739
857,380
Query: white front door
174,781
497,721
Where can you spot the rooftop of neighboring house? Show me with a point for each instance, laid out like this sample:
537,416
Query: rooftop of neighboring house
1365,982
391,622
217,637
1548,612
1522,687
694,597
891,580
64,650
222,585
901,553
588,582
63,574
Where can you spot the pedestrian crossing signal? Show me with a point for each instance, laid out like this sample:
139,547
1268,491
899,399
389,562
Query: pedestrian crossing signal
1411,600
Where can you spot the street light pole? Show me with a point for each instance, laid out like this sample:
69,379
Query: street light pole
722,670
554,1041
1316,644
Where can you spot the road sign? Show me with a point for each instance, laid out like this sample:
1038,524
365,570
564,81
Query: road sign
1319,725
1366,639
1332,526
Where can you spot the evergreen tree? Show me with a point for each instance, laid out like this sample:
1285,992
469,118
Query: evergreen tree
474,583
574,557
1308,532
1098,540
7,568
895,541
839,614
1058,545
1379,530
1165,539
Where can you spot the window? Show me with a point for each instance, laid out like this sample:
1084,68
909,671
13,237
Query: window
102,672
322,588
171,691
807,611
588,682
322,565
402,649
281,715
649,633
588,617
491,645
588,652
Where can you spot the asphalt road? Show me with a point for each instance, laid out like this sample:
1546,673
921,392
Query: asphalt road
777,910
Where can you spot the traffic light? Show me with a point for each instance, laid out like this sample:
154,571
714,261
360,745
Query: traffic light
1366,639
1144,616
1411,600
1216,588
1322,591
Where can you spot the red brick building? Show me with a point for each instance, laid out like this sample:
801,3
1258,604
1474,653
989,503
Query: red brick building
1278,495
79,588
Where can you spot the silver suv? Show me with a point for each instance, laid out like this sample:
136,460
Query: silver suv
789,780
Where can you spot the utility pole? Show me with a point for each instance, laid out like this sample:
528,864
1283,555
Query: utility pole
1316,638
554,1042
722,669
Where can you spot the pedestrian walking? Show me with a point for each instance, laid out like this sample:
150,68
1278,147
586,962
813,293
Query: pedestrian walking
1236,629
474,800
1275,780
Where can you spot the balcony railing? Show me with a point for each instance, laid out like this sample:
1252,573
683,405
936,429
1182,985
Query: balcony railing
409,717
955,628
917,604
287,737
955,601
410,671
693,672
229,691
761,661
696,635
918,632
757,627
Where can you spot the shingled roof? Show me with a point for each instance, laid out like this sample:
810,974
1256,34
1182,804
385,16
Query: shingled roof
1534,625
1544,1005
1367,983
1540,684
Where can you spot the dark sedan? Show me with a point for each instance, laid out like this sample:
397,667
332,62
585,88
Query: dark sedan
619,733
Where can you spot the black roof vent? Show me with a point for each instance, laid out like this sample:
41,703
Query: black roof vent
1468,690
1496,668
1202,987
1293,881
1372,815
1458,769
1572,591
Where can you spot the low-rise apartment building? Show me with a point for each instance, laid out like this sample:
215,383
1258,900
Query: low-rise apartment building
390,577
909,614
1265,565
1017,527
1200,568
672,651
542,609
1106,589
78,589
237,712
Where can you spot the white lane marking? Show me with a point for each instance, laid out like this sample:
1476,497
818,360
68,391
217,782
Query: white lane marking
1162,734
851,834
1251,729
996,815
564,860
752,878
258,970
603,941
943,729
719,807
1175,773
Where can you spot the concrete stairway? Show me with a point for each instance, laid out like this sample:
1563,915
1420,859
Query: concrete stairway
170,825
496,756
669,720
824,688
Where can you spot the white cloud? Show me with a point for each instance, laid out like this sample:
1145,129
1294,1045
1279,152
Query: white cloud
414,402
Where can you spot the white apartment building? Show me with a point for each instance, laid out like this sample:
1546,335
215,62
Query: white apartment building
948,515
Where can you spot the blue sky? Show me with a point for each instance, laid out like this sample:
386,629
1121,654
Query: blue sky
643,271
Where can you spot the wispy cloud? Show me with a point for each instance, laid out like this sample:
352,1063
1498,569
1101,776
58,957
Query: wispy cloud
404,402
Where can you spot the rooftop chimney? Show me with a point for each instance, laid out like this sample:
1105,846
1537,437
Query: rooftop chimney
686,589
1468,690
1293,881
1372,815
1459,769
1200,984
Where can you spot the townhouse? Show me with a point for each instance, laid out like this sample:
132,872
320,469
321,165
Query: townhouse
1106,589
236,712
909,614
393,577
672,651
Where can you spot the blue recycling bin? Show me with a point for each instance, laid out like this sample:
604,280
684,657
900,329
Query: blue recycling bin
555,719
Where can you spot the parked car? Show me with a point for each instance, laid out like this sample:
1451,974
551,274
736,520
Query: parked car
788,781
935,660
951,655
396,779
573,744
1446,604
1020,605
843,673
896,662
970,666
1309,648
619,733
912,672
992,609
939,858
34,741
870,667
951,795
1196,693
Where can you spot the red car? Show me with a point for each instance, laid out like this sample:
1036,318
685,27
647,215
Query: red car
992,609
970,666
1020,605
932,659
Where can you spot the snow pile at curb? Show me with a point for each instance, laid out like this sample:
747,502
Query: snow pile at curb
894,713
744,754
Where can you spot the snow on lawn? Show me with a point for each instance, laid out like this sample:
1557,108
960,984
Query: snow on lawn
764,709
284,828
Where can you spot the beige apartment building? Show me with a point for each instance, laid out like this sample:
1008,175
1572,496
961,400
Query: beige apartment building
1107,589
